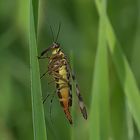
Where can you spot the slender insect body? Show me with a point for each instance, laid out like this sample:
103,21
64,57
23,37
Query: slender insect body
59,69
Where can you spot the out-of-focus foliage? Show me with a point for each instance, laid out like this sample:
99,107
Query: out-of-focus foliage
79,36
15,103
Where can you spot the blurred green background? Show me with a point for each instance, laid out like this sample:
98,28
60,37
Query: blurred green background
78,38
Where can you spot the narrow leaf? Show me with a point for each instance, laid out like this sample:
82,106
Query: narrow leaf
99,128
36,95
123,69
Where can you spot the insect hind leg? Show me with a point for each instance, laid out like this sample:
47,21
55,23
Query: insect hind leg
51,109
50,112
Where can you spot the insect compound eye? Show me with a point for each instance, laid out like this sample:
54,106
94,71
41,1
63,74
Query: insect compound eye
55,45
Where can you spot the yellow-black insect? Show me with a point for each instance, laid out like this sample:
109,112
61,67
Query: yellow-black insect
60,70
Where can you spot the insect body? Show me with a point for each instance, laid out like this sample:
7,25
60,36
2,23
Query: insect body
59,69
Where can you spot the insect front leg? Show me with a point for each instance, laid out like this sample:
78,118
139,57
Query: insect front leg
44,53
43,57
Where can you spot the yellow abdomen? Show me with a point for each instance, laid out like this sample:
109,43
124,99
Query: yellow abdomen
64,85
64,92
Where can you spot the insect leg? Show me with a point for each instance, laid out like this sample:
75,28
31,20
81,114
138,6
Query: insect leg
45,51
43,74
50,103
49,69
46,98
52,81
51,108
42,57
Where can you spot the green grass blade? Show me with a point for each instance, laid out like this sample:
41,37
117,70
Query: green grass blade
35,4
36,95
130,124
123,69
99,117
118,109
135,54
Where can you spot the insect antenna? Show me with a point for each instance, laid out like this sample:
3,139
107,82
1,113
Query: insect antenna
52,33
59,27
